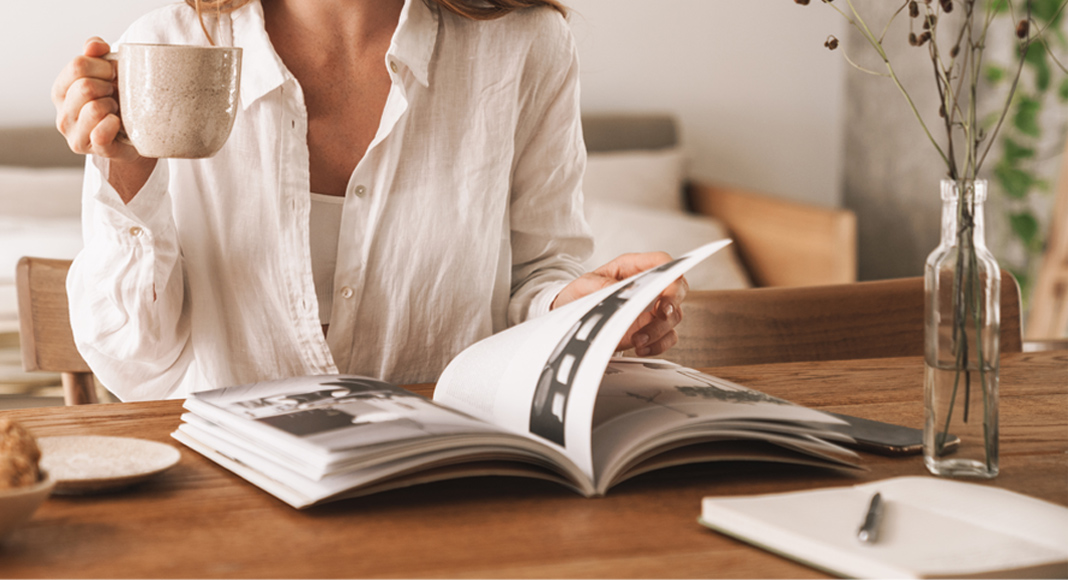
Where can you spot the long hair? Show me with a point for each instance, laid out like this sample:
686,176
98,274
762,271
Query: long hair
473,9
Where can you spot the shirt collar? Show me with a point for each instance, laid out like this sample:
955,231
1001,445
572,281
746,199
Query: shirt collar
413,42
262,70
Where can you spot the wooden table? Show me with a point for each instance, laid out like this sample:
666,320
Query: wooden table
199,520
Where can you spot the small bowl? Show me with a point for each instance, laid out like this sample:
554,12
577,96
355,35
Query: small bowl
18,504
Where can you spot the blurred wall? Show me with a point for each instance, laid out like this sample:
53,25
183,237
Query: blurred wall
758,97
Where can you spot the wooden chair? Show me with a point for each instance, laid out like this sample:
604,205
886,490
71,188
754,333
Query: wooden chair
780,242
44,327
1048,319
844,321
783,243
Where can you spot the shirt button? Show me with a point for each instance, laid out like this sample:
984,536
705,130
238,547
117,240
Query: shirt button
360,191
393,65
347,292
136,231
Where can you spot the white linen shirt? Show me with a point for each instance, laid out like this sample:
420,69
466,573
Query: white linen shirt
463,217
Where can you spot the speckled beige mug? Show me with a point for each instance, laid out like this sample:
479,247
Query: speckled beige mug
177,101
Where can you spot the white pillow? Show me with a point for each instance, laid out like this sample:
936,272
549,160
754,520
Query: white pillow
40,237
41,193
652,179
619,228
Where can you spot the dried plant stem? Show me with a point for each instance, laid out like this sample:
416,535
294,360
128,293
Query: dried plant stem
858,23
1041,35
1024,46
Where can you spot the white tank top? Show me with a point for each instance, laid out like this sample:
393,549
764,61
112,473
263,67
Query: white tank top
325,228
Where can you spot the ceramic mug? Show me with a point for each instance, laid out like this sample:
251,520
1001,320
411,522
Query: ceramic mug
175,100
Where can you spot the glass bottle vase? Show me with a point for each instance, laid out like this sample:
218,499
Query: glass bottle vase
962,326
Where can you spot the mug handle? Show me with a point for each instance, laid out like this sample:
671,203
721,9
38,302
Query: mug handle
121,136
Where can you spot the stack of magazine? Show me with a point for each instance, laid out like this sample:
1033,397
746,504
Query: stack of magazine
544,399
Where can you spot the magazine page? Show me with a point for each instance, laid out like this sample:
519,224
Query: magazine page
540,378
323,420
496,454
648,406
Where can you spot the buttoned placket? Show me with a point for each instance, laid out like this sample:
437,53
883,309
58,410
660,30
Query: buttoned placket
294,179
365,195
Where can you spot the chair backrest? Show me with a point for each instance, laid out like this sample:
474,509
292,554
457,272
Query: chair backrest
783,243
844,321
44,327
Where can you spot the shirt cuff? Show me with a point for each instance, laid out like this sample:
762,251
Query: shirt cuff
146,209
543,301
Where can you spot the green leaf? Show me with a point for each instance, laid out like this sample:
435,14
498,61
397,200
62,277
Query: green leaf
1025,226
1062,91
1014,152
1044,10
994,74
1036,58
1026,118
999,6
1016,183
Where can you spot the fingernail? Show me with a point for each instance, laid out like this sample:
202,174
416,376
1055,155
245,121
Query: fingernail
640,339
668,309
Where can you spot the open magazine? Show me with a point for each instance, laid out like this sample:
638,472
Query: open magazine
542,399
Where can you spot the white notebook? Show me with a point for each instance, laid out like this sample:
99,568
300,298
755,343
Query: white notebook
930,528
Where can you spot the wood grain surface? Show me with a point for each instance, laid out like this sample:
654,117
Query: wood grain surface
198,520
874,319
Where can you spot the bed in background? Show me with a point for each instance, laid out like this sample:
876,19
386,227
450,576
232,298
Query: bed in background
40,205
636,163
638,198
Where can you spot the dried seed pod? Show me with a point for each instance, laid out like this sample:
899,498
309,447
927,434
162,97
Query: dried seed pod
913,41
802,2
924,38
831,43
1022,29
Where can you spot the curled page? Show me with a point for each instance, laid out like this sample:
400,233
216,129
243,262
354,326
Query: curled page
540,378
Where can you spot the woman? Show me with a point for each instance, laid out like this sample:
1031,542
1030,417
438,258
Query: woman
402,180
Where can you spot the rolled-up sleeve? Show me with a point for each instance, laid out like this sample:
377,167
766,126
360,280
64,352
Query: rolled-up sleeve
550,237
126,288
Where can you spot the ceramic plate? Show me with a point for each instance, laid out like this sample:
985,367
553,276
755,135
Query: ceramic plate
93,463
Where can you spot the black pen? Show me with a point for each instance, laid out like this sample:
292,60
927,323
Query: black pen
869,530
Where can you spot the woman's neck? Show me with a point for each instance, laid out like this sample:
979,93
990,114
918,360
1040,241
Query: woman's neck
332,28
336,49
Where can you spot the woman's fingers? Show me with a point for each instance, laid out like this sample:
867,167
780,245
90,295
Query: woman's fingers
84,97
83,66
87,101
655,330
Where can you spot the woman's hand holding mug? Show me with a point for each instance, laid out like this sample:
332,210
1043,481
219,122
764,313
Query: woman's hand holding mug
176,101
87,105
